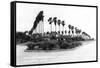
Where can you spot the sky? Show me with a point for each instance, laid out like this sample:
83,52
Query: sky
82,17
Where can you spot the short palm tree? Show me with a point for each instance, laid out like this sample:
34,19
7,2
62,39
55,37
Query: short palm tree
63,24
79,31
76,30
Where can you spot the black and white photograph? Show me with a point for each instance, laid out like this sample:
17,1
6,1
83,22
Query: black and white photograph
50,33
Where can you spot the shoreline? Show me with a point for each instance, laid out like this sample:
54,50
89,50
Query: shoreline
55,50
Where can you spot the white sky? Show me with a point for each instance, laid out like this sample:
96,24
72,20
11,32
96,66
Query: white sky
82,17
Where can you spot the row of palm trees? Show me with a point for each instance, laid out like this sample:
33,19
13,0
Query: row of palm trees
72,30
56,22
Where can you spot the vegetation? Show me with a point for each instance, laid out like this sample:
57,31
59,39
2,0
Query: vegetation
53,39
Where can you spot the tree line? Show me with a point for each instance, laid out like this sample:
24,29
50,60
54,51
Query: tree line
59,22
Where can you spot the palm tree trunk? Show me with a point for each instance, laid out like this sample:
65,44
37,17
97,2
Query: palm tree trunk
63,29
72,33
69,32
39,27
51,27
55,28
36,30
59,28
43,28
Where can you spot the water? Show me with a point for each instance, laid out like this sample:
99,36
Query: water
86,52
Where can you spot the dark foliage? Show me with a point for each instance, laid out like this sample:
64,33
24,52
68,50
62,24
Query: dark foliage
21,37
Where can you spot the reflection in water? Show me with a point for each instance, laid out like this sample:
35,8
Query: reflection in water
86,52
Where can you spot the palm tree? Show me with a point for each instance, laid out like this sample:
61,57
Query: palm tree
79,31
72,29
76,30
50,22
55,22
63,23
39,18
69,32
62,32
69,26
65,31
59,22
84,33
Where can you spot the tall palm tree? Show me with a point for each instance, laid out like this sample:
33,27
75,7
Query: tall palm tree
50,22
39,18
55,22
63,23
59,22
